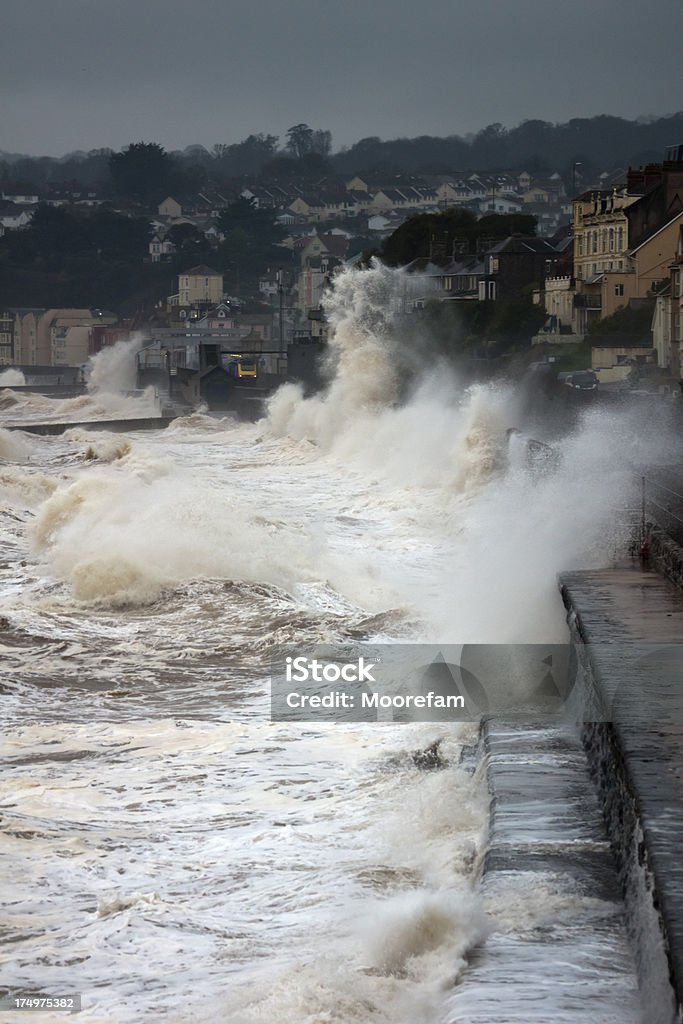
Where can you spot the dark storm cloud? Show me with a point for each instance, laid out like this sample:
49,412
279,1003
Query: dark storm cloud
85,73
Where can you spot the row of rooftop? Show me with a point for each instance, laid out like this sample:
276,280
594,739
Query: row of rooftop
624,248
327,199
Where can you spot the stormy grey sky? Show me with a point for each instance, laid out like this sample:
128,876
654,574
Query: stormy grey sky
81,74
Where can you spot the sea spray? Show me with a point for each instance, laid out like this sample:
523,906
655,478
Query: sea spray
122,533
12,378
143,760
365,376
14,446
113,368
408,927
506,525
98,405
112,378
25,488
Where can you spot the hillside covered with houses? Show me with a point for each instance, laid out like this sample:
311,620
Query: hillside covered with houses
529,253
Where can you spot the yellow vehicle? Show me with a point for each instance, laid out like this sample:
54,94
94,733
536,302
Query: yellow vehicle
242,367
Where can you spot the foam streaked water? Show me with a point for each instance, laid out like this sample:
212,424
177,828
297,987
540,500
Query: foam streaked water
181,855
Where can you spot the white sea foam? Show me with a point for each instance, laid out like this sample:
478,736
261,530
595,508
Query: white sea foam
177,846
12,378
100,405
503,527
113,368
14,446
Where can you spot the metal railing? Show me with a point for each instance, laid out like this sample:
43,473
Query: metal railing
664,503
627,531
585,301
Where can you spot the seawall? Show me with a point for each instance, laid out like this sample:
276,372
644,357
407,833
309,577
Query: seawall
559,949
666,556
145,423
586,825
627,624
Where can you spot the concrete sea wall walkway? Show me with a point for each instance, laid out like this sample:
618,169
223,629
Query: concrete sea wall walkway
627,623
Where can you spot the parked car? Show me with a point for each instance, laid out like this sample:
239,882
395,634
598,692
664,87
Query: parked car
583,380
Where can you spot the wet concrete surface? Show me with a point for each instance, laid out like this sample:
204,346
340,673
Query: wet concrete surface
559,949
627,603
631,620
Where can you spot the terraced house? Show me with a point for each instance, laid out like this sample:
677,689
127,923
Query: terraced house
625,239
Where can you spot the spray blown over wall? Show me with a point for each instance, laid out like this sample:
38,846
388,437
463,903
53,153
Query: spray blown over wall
12,378
113,368
475,534
503,526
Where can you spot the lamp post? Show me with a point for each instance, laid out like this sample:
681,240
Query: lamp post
281,296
